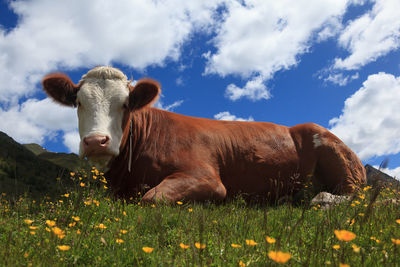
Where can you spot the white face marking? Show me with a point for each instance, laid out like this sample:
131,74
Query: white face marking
316,140
100,111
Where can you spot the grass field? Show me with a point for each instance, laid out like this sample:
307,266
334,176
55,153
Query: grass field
86,226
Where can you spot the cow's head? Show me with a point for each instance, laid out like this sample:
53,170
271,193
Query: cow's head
103,97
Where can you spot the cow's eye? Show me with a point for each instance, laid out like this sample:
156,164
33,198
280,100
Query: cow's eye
79,104
125,106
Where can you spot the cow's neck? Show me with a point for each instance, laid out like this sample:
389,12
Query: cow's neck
142,129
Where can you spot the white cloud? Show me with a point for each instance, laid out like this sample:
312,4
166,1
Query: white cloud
159,104
71,141
254,89
227,116
69,34
260,37
35,120
370,36
340,78
370,119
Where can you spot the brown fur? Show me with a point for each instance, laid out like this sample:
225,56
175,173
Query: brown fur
60,87
180,157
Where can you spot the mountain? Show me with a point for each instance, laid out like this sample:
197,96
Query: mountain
34,173
69,161
374,175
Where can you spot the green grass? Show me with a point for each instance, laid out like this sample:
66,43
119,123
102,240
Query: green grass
306,233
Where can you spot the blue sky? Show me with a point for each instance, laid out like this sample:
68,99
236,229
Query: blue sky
334,62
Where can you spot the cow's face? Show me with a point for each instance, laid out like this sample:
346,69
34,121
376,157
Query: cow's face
104,97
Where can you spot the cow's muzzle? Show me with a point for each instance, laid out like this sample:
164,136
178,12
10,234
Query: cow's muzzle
96,145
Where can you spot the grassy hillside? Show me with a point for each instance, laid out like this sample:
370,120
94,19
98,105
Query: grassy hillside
23,172
69,161
86,226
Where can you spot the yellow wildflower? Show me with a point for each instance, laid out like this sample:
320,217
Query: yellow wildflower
336,247
278,256
236,245
179,202
82,184
88,202
147,249
76,218
27,221
355,248
398,221
124,213
374,238
251,242
242,264
72,224
199,245
101,226
183,246
63,247
270,240
190,210
344,235
343,265
367,188
362,196
123,231
396,241
119,241
72,174
66,195
58,232
78,232
32,232
50,223
33,227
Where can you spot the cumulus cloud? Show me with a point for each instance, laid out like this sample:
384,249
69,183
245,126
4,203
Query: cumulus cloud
340,79
370,36
35,120
370,119
254,89
260,37
160,104
227,116
71,34
71,140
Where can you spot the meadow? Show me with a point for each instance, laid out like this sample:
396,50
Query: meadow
87,226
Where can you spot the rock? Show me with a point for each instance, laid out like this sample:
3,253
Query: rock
327,200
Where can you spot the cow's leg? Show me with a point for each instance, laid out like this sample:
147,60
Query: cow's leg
337,168
184,186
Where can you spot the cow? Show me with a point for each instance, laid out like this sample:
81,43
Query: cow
175,157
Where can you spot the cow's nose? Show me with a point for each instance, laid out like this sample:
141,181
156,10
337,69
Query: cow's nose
96,142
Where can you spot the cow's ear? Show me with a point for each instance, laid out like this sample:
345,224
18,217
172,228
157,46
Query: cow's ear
60,88
144,93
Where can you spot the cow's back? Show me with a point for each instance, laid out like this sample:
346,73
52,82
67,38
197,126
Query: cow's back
255,158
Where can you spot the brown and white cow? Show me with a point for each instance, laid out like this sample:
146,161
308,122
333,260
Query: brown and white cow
180,157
